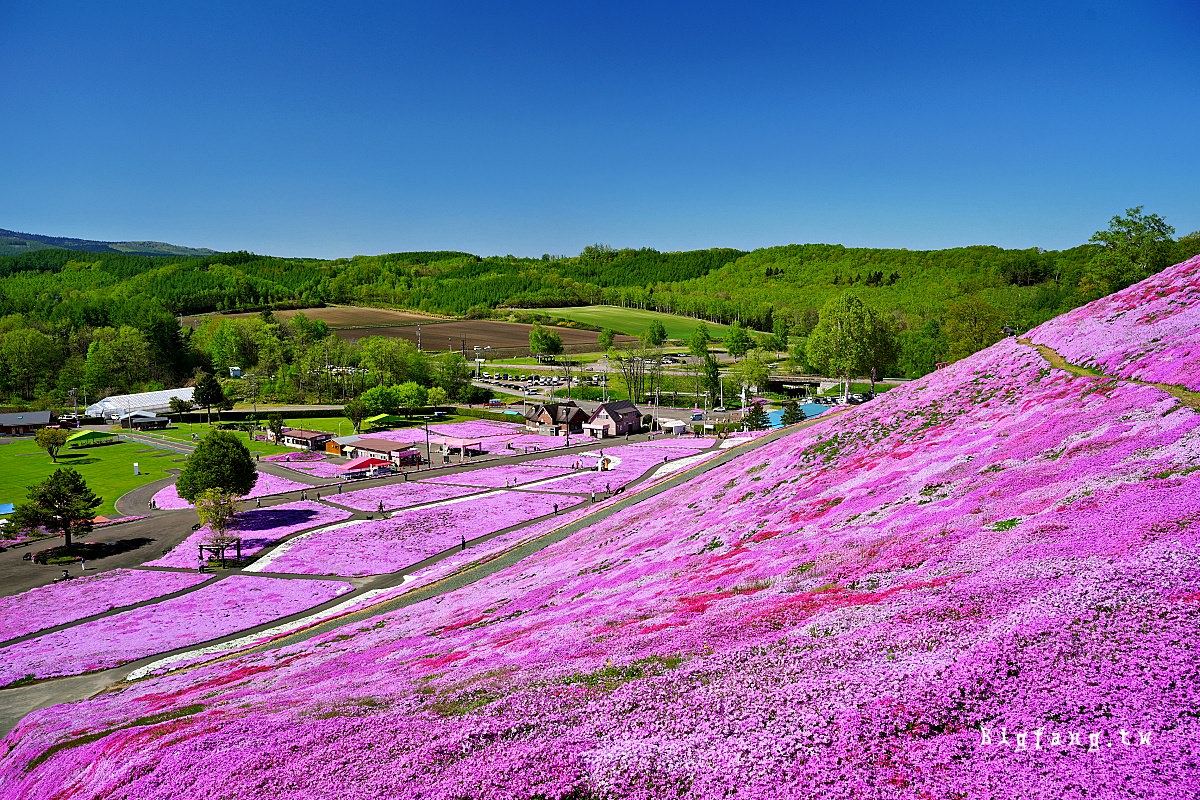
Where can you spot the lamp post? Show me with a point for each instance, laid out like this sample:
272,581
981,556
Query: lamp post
428,453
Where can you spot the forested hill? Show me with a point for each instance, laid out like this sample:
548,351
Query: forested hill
14,242
70,318
721,285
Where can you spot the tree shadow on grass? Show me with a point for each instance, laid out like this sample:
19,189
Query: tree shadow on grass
75,460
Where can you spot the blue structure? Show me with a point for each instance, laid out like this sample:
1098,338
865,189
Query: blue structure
810,410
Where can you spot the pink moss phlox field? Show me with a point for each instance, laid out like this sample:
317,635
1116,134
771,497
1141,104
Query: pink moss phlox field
1148,332
258,529
317,469
494,438
372,547
300,455
60,603
628,462
501,476
266,484
949,592
398,495
680,442
226,606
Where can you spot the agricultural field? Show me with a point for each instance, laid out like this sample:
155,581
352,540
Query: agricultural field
352,323
634,321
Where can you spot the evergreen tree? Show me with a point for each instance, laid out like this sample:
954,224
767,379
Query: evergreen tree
792,413
62,503
756,417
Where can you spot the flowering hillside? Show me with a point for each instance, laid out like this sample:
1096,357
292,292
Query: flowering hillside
983,584
1149,332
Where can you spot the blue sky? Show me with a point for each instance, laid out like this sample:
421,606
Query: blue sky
310,129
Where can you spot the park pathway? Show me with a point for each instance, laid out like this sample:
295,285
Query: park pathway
16,702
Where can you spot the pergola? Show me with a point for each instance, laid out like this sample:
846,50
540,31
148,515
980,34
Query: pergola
461,445
218,546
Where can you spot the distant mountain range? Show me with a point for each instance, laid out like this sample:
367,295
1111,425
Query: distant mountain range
13,242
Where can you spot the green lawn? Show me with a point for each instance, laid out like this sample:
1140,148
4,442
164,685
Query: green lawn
108,468
634,321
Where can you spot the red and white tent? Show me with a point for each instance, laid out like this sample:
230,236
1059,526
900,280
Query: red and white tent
365,462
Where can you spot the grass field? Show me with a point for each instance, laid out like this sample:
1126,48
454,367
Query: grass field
634,321
108,469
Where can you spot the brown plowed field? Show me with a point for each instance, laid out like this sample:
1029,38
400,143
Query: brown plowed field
436,333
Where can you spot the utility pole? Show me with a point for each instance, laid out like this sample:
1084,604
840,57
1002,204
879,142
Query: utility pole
418,338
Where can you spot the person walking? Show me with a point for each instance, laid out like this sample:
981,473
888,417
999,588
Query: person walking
463,546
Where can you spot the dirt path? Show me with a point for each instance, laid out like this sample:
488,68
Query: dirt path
1185,396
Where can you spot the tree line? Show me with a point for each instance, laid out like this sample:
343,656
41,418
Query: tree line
102,323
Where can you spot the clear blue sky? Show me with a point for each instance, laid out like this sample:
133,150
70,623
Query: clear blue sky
508,127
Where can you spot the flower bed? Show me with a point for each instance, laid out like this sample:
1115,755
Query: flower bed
259,528
501,476
982,584
221,608
60,603
398,495
299,456
679,442
1145,332
374,547
317,469
267,484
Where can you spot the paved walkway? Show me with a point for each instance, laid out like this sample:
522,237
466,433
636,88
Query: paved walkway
170,527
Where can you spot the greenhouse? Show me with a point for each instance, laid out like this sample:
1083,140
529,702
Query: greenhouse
119,405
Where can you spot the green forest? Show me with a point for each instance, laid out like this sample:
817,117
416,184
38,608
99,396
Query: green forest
108,322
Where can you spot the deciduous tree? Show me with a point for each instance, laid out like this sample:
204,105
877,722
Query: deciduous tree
220,461
355,411
656,334
737,340
208,393
850,340
1134,247
971,325
52,440
544,342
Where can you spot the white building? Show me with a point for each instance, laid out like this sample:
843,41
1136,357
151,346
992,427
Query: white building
119,405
